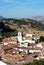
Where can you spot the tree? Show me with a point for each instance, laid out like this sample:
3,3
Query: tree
41,39
36,62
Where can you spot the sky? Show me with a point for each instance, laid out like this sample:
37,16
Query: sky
21,8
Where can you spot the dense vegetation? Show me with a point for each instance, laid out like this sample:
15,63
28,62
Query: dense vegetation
6,31
41,38
32,23
36,62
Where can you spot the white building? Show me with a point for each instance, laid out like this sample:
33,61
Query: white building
39,45
29,41
2,63
19,37
29,35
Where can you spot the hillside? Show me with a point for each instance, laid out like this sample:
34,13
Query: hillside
18,22
39,19
6,31
10,27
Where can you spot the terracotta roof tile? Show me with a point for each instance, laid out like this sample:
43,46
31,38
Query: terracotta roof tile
27,48
1,50
12,51
18,57
6,47
9,58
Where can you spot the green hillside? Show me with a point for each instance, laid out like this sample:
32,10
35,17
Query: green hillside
10,27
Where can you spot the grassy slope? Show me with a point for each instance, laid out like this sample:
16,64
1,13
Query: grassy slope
24,24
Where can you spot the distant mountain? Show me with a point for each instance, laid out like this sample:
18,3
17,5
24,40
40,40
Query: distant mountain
1,17
39,19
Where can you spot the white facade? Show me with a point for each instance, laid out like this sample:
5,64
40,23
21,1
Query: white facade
26,45
6,43
29,35
39,45
19,36
32,51
2,63
29,41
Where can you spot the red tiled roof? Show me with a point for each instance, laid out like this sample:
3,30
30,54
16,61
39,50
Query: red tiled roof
9,46
27,48
1,50
6,47
12,51
9,39
32,44
18,57
9,58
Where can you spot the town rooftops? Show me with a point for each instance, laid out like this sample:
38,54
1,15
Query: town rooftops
32,44
11,39
13,45
9,58
1,43
12,58
27,48
13,51
28,38
6,47
42,43
18,57
9,46
1,51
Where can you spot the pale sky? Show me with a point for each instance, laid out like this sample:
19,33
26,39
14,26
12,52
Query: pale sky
21,8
